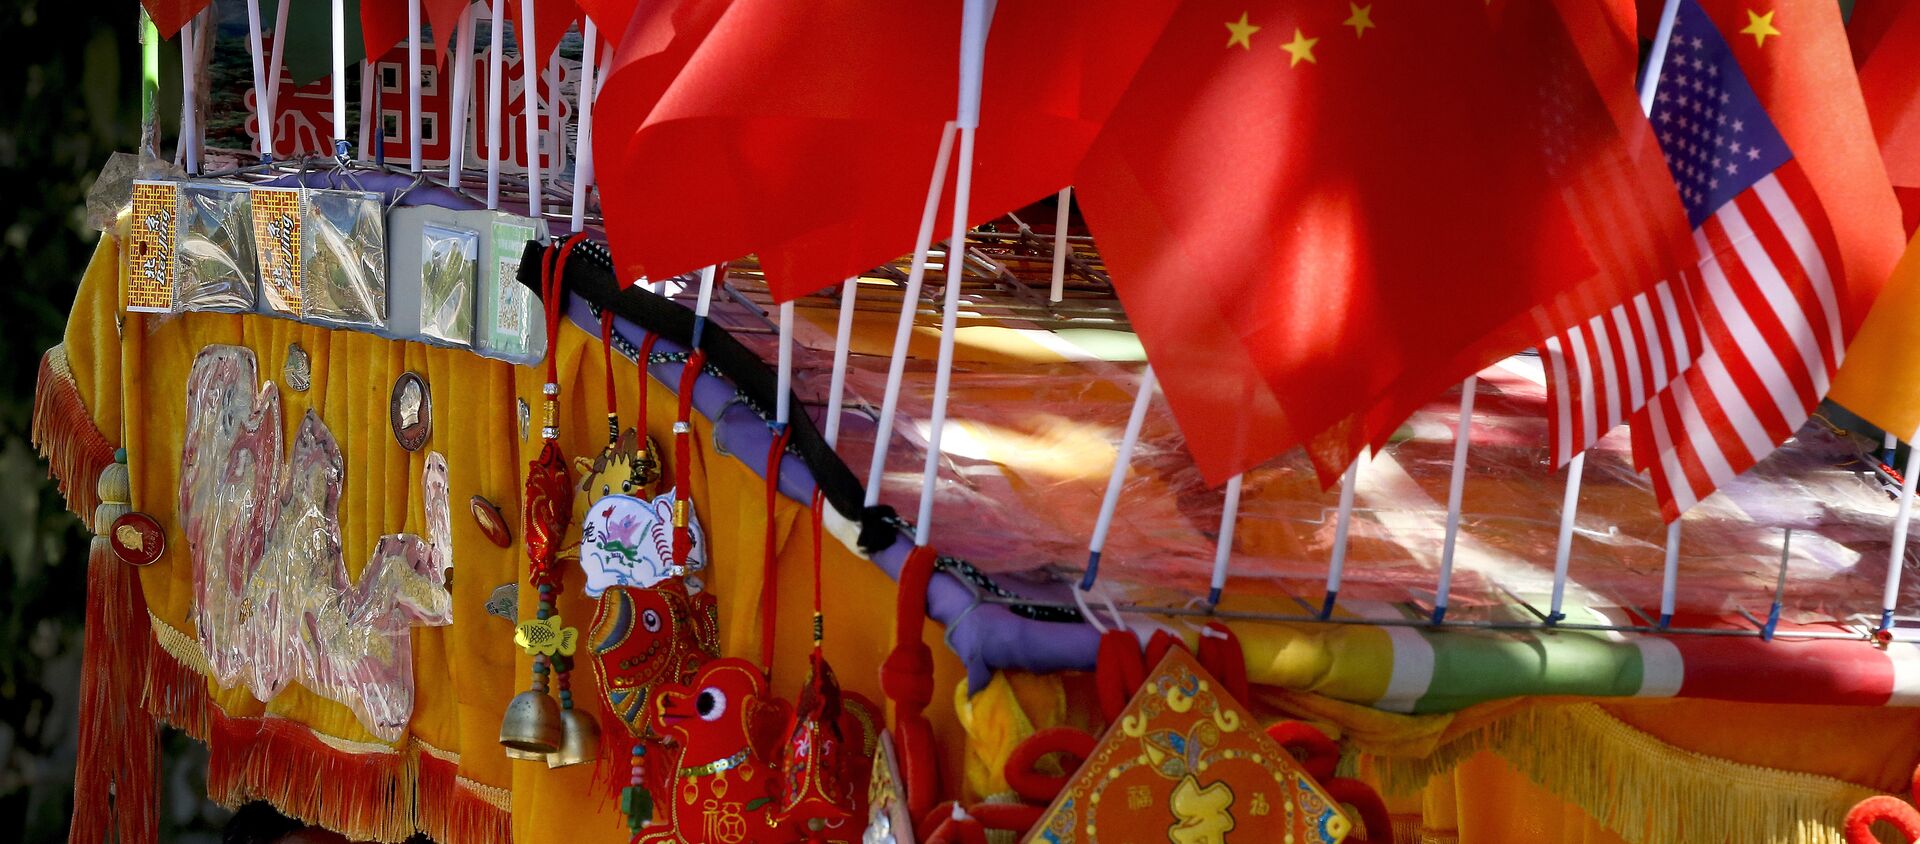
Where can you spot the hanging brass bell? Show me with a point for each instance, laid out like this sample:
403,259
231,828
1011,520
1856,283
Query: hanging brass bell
531,725
525,755
579,740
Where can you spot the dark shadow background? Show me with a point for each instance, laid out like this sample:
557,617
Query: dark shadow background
69,97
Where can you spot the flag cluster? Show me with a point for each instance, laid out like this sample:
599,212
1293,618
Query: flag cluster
1318,214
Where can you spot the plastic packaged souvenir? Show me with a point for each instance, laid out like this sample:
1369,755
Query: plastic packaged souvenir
277,218
509,327
433,262
193,248
343,258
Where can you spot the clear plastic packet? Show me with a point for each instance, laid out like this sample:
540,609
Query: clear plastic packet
343,257
192,248
214,266
509,326
449,258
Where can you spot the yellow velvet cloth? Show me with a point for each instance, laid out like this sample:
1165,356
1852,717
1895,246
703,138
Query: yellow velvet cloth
130,370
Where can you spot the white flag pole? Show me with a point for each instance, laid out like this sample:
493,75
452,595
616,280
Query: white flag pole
1889,445
782,404
262,103
1897,557
279,47
842,340
1671,574
1456,487
462,90
340,148
1122,462
1223,550
189,94
975,17
1342,525
530,82
370,113
496,59
704,304
413,84
1649,86
1060,218
583,154
1563,548
909,304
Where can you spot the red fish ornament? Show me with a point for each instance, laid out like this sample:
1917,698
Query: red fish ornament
724,780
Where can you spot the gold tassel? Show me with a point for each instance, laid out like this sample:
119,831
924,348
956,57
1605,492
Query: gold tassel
1640,788
64,434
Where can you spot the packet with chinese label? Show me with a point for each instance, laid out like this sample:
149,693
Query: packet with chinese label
343,257
192,248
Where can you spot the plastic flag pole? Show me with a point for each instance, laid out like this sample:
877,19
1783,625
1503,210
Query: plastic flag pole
1779,589
1897,557
149,85
974,18
782,403
1889,447
262,105
1671,574
909,304
496,59
1563,547
189,93
583,153
370,144
413,83
462,87
842,338
340,148
1122,462
530,93
1223,551
279,48
1456,487
704,303
1060,218
1342,525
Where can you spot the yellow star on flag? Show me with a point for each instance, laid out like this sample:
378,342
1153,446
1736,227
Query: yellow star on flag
1361,20
1300,49
1241,32
1759,26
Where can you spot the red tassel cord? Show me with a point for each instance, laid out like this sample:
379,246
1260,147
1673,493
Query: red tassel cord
907,678
770,560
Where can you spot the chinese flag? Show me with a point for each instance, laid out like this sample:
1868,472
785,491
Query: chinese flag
807,132
1340,212
383,25
1890,84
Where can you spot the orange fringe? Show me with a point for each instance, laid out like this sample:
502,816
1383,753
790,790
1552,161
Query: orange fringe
362,795
116,763
66,438
176,693
449,810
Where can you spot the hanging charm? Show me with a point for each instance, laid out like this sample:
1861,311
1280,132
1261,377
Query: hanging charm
137,539
492,523
298,371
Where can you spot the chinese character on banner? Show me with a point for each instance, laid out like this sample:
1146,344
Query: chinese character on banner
513,128
436,109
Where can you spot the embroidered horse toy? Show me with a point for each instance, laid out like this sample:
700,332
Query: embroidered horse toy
724,780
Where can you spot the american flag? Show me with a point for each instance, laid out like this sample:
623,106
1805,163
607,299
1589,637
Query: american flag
1766,286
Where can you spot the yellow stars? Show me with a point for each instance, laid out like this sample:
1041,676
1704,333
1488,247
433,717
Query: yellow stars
1361,20
1300,49
1759,26
1240,32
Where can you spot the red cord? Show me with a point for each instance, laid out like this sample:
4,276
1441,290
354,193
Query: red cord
683,459
640,361
770,563
819,625
606,358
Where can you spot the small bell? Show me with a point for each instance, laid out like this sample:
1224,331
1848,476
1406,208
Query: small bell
532,724
579,740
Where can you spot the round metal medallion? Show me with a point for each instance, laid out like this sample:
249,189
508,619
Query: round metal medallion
299,368
411,411
137,539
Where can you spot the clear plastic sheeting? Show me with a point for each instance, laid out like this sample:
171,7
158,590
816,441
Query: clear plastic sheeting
274,603
344,258
1037,416
215,259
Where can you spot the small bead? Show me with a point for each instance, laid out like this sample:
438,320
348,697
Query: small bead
549,432
550,389
681,427
539,668
120,455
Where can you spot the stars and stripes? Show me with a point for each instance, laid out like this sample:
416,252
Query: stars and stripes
1765,291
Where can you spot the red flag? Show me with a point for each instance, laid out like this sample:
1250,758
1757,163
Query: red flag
806,132
383,25
444,17
1257,187
611,17
170,15
1890,85
551,20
